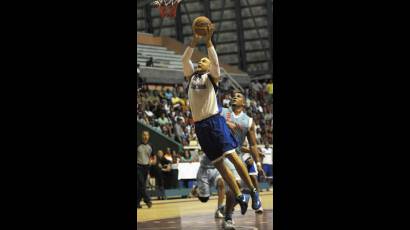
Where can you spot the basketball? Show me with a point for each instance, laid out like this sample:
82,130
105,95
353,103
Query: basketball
200,25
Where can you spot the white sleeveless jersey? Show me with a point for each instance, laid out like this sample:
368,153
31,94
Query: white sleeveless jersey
202,97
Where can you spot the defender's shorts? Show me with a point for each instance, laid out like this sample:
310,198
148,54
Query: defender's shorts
251,169
205,179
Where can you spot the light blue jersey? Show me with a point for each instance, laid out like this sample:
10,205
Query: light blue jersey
244,123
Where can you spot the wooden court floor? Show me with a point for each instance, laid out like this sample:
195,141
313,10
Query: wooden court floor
192,214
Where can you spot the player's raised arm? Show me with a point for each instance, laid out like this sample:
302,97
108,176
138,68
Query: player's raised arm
213,57
186,57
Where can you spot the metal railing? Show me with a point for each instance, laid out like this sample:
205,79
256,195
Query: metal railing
235,84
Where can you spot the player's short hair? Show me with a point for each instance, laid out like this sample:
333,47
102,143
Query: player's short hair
203,199
237,91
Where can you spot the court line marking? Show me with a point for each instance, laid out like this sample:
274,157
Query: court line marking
158,228
181,200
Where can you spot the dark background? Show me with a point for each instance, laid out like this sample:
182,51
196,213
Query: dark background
69,112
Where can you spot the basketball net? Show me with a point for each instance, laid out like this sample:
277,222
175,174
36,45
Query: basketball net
168,8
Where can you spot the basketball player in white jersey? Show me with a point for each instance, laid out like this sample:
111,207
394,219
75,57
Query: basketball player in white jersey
213,134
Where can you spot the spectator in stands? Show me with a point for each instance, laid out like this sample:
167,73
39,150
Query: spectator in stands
150,62
151,174
171,132
260,91
166,168
185,135
258,136
179,115
174,168
267,161
192,135
144,89
194,154
166,130
226,100
144,119
186,158
157,172
167,106
269,87
259,107
140,81
268,114
163,120
179,133
148,112
144,151
168,94
157,127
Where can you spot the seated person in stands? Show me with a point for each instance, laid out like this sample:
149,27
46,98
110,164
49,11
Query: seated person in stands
163,120
166,162
157,171
150,62
186,157
176,158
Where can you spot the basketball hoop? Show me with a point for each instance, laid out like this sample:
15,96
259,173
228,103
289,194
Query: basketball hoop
168,8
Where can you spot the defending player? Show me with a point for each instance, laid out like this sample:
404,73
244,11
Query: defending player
243,127
213,134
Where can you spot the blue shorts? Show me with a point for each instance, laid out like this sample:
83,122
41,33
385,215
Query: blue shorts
252,169
215,138
268,170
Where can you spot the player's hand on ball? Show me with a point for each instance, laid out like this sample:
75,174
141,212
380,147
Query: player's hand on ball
211,29
195,40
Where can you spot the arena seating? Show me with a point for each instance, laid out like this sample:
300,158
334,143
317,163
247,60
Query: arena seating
167,53
161,56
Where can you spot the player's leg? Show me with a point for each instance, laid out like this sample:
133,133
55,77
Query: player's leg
230,202
243,173
221,196
229,178
147,199
221,191
139,185
269,173
229,207
241,169
202,191
253,173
